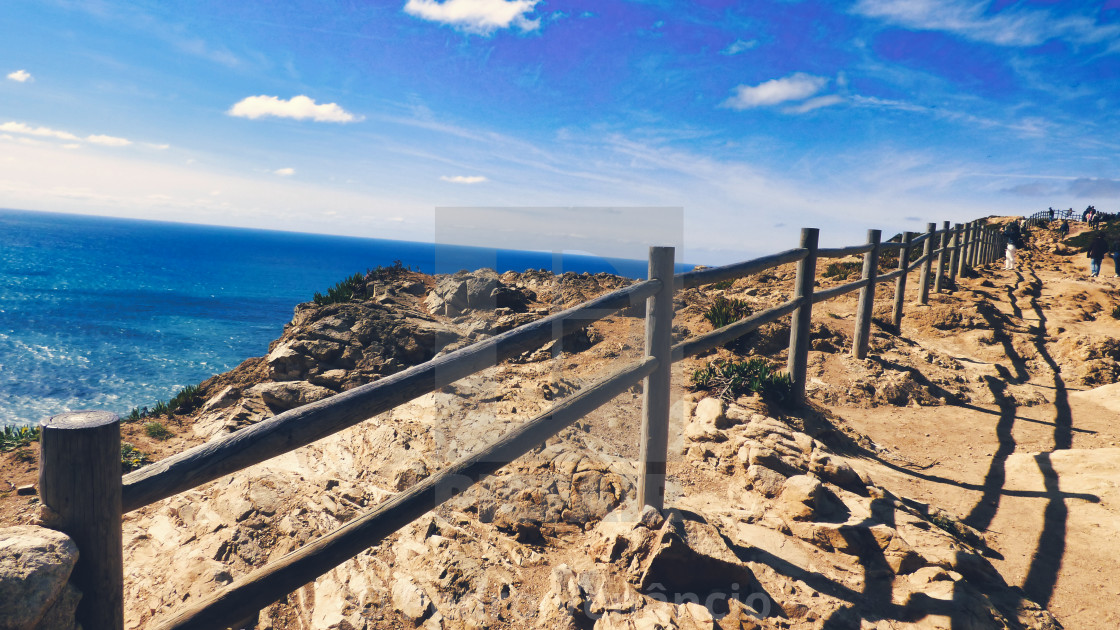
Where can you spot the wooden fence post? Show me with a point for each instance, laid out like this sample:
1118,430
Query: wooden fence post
656,387
80,480
942,256
861,339
927,251
798,360
962,256
974,246
900,282
955,254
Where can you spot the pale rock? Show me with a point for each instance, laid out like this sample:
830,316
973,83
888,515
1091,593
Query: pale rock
288,394
765,481
561,608
800,497
35,564
409,599
226,397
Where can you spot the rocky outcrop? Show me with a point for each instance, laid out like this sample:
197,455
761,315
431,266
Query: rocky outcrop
35,564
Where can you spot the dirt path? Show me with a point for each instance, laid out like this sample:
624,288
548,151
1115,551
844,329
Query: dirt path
1038,471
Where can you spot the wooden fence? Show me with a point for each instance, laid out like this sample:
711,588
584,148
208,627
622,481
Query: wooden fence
80,476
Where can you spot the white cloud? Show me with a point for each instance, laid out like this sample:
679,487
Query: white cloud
108,141
22,76
28,130
476,16
795,87
738,46
285,172
157,146
1011,26
298,107
463,179
815,103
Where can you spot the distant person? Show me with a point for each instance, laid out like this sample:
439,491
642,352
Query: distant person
1014,243
1097,250
1051,211
1063,229
1085,214
1115,254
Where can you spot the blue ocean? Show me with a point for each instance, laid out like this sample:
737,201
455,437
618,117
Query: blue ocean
112,314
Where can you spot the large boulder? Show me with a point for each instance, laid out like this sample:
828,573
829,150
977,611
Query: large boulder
35,564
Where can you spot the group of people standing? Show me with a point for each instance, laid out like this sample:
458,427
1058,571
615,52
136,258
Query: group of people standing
1096,253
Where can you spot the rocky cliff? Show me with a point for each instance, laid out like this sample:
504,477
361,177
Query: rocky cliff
776,518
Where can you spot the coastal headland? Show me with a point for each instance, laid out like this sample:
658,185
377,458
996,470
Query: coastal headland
964,475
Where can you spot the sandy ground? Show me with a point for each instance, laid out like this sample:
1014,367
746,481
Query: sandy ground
1042,482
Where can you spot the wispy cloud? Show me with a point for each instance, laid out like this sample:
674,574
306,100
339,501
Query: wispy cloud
284,172
1012,26
476,16
463,179
108,141
738,46
796,87
298,107
1086,187
815,103
44,132
21,76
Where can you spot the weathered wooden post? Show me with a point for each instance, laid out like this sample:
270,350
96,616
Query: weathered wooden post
962,258
900,282
655,387
80,481
955,253
861,339
798,361
974,246
942,256
927,251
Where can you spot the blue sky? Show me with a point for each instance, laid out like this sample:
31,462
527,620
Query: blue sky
757,118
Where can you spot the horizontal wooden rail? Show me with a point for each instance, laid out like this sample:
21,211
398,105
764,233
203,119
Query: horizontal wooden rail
889,246
890,275
918,238
266,585
840,252
304,425
828,294
917,263
700,277
730,332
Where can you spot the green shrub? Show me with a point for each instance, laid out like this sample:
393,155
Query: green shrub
132,458
157,431
731,379
344,291
16,437
841,271
1116,312
724,311
186,400
355,285
722,285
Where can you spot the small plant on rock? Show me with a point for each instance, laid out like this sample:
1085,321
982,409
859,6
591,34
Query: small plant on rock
17,437
724,311
344,291
132,458
731,379
157,431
